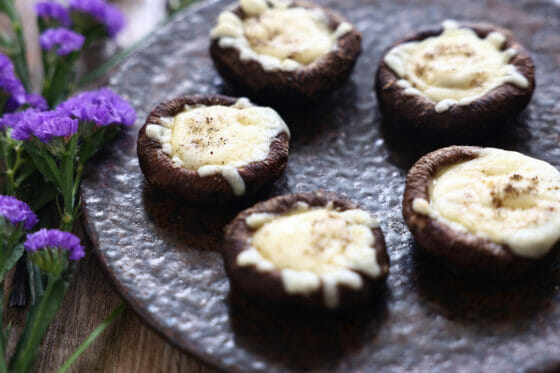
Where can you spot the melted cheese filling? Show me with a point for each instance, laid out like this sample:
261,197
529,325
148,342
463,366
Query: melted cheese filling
454,68
504,196
277,36
314,246
219,139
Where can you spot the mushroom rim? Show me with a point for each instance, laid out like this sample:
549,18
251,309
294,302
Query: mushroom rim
343,42
463,250
500,102
271,167
237,234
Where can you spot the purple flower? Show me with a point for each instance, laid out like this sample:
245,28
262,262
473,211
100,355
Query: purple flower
66,40
53,10
36,101
16,211
12,119
10,84
107,14
102,107
36,104
53,238
44,125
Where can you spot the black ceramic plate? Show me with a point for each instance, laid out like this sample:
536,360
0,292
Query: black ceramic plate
164,257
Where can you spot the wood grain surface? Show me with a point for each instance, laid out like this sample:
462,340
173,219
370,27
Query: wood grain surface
128,345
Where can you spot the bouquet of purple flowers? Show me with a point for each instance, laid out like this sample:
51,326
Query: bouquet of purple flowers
45,141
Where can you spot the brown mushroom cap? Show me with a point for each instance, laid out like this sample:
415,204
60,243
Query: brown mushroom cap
306,83
481,115
463,252
160,171
267,287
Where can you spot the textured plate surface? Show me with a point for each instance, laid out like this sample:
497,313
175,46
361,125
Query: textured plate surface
164,256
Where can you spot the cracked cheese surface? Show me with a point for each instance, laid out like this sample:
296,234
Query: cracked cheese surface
314,246
501,195
454,68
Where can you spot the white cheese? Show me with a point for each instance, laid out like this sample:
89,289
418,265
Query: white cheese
503,196
277,36
254,258
254,221
219,139
313,246
421,206
454,68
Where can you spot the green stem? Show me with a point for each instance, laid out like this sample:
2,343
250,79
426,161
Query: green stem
89,340
57,86
11,170
19,55
77,179
67,179
35,282
38,324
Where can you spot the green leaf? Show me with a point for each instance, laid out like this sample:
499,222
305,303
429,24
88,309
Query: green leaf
42,196
44,163
11,261
92,337
91,144
26,171
35,281
40,319
57,86
67,176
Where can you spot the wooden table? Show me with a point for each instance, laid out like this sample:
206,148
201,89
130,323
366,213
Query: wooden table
128,345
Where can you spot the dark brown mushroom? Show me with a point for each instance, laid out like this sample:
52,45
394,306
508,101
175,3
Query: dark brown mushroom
483,114
462,251
307,83
266,287
159,169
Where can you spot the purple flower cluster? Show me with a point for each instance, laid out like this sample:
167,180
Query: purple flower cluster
10,120
16,211
107,14
66,40
36,101
43,125
10,84
102,107
53,238
52,10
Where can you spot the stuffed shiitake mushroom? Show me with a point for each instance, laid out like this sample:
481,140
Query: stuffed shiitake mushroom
307,250
486,212
284,51
462,79
209,149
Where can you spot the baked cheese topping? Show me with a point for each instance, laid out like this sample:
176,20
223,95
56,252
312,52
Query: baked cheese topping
504,196
454,68
276,35
219,139
314,246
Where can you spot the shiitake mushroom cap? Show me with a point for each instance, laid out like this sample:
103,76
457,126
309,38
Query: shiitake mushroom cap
160,171
483,114
304,85
266,288
463,252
